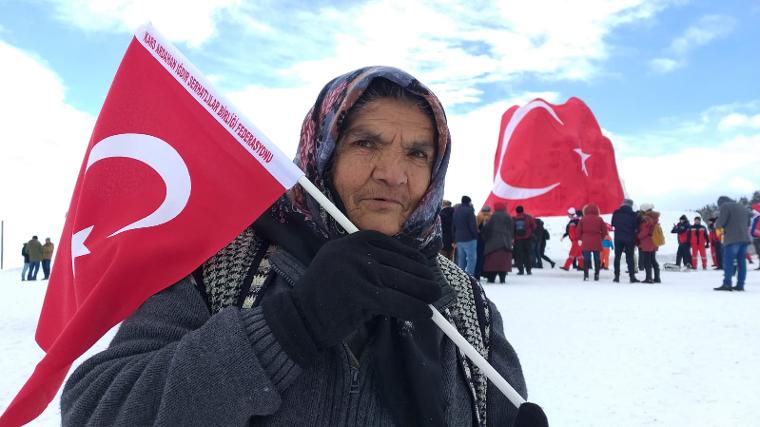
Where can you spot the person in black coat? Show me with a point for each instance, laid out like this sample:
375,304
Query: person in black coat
540,235
626,224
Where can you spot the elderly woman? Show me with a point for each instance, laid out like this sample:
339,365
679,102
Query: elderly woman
297,323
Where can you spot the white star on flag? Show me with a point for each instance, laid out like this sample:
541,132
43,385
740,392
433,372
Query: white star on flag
584,157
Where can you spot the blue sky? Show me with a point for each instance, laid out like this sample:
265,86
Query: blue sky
673,83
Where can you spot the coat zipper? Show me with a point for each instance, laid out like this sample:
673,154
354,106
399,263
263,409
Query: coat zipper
354,389
279,271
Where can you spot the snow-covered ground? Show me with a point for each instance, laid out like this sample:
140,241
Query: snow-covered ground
593,353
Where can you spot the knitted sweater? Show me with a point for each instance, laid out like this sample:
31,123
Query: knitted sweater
173,363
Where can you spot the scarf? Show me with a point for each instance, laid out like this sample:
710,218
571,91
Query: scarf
406,355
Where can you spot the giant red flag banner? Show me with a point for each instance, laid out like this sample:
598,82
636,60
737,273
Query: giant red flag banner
172,174
553,157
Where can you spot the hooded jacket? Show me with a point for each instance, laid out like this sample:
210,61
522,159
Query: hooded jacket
497,232
646,229
591,229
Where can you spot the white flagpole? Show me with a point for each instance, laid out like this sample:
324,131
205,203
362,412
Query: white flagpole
447,328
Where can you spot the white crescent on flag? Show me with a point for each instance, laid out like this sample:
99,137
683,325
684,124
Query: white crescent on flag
162,158
503,189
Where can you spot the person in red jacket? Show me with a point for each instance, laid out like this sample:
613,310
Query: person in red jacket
591,230
682,229
647,248
575,248
699,238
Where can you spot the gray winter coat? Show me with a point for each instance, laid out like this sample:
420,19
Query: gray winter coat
498,233
734,218
172,363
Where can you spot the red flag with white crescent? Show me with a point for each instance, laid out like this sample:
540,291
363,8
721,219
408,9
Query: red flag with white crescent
172,173
553,157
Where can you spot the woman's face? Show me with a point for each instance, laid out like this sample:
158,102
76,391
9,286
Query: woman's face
383,163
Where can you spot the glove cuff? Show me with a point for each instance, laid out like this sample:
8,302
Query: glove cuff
288,328
282,370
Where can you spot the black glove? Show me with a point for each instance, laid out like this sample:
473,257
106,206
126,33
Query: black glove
530,415
350,280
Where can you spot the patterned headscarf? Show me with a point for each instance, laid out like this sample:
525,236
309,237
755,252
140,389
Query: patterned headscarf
319,136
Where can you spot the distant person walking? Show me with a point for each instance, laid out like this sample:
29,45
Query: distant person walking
25,254
34,247
540,236
735,220
466,235
524,226
684,246
447,236
498,241
47,256
626,224
591,230
699,238
647,246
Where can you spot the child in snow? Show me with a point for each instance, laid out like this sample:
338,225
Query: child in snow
607,246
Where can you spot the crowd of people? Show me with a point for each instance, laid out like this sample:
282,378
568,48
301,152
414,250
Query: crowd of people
36,254
490,243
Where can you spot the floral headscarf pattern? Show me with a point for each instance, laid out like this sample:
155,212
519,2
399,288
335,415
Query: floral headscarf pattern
319,136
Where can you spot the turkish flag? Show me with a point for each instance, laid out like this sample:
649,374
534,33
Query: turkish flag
171,175
553,157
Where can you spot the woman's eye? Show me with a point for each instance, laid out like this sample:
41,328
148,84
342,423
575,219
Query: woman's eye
419,154
364,143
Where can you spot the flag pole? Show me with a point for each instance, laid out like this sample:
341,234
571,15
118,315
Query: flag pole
447,328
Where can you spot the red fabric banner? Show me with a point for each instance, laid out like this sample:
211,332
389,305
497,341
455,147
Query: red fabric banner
553,157
170,176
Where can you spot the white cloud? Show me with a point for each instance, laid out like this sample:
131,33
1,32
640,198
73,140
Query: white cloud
742,185
191,21
689,163
705,30
738,120
691,177
44,140
453,46
664,65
